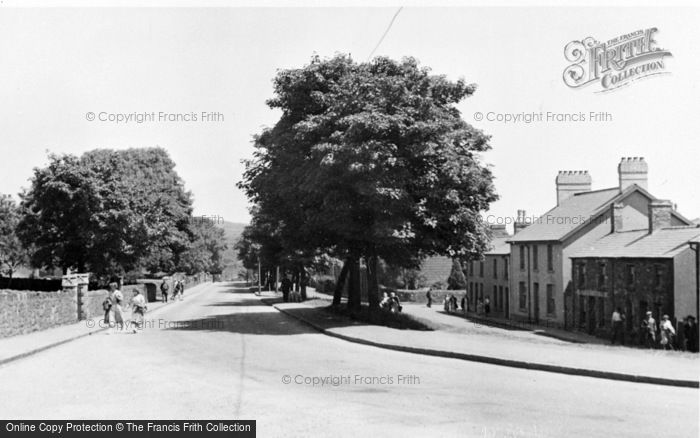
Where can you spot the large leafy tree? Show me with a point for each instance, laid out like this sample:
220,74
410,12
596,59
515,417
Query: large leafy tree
13,253
107,211
206,250
372,160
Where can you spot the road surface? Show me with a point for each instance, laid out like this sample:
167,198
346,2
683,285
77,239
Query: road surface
222,354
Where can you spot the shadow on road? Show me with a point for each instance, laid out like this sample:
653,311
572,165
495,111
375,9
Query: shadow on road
251,323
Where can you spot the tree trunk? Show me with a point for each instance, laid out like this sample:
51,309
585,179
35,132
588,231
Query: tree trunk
354,297
338,293
302,283
373,282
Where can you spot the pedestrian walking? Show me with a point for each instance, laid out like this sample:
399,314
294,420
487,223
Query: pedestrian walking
395,306
285,286
182,289
617,327
690,332
107,307
177,291
138,310
649,330
487,306
164,289
480,307
116,298
429,297
667,333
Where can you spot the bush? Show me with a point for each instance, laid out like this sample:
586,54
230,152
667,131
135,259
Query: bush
323,283
456,279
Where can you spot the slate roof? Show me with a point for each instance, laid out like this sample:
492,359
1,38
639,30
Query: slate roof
561,221
566,217
499,246
664,243
436,269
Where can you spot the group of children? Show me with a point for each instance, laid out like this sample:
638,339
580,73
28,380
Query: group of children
114,312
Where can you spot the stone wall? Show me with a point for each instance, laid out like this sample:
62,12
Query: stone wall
93,304
24,312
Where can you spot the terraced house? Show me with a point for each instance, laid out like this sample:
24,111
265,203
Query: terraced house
490,277
637,270
541,273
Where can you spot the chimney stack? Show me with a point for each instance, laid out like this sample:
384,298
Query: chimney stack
520,222
570,182
616,222
498,230
633,170
659,214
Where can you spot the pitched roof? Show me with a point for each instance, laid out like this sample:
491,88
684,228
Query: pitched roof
567,216
436,269
664,243
499,246
576,211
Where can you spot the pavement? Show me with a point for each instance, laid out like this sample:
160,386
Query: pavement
224,354
18,347
471,339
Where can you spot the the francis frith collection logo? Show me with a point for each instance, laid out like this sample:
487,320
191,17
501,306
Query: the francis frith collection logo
614,63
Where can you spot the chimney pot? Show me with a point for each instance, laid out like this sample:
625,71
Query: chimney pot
633,170
571,182
520,224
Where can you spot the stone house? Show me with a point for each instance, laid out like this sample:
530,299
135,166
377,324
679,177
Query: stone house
541,273
638,270
490,277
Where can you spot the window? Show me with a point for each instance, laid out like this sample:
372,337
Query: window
550,258
581,275
630,275
534,257
659,276
550,299
601,312
495,296
495,268
481,291
471,269
602,276
505,268
522,257
481,269
522,295
499,305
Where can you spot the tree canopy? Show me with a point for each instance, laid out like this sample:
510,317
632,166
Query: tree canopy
13,253
111,211
371,160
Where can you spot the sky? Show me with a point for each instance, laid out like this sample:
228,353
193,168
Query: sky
61,65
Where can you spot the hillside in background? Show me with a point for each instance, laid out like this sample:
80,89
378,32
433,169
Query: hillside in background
232,232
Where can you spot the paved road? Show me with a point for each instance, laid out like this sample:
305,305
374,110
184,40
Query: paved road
222,354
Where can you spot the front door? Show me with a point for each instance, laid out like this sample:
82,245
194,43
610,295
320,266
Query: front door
591,315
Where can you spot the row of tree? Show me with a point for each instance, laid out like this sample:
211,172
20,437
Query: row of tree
368,161
109,212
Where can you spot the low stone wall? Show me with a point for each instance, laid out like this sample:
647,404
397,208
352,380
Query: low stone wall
93,304
24,312
418,296
151,287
